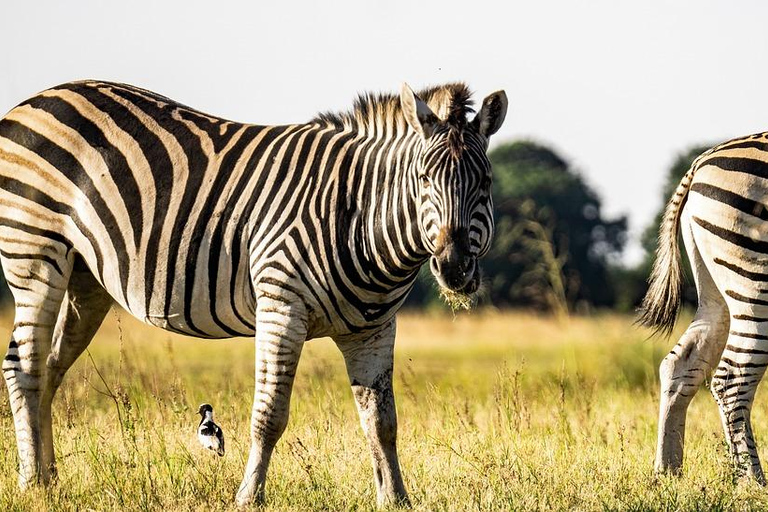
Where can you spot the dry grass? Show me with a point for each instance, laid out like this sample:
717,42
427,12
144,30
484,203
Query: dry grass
497,412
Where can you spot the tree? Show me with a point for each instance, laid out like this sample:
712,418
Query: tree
552,246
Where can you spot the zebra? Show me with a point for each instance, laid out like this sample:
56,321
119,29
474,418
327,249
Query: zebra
212,228
720,207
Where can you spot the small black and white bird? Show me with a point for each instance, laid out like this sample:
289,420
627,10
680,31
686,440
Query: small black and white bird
210,434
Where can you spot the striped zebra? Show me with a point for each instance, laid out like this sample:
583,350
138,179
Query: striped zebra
721,208
213,229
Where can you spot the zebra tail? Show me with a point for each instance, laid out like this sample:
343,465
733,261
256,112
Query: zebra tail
661,304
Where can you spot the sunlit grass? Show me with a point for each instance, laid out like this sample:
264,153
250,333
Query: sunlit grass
496,412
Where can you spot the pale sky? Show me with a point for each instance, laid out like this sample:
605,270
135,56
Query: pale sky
617,88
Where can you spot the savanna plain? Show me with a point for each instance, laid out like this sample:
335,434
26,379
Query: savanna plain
497,411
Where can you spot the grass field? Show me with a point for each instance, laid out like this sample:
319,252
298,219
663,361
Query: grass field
496,412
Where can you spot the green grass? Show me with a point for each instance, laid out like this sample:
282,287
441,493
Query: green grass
496,412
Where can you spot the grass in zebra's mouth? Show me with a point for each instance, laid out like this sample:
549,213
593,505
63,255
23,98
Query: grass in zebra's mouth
469,296
458,301
497,411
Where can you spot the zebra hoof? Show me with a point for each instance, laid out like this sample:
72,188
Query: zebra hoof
27,482
393,501
668,470
246,498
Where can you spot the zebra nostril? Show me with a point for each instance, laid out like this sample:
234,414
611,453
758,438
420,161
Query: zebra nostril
434,265
469,265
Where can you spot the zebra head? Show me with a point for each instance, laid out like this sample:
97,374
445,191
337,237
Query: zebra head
453,180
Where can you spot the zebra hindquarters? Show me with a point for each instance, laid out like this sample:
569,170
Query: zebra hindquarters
37,273
86,303
690,361
731,234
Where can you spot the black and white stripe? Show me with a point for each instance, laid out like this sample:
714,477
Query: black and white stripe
721,208
213,228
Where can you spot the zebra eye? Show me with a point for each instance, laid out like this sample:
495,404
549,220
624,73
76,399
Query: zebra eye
485,183
425,183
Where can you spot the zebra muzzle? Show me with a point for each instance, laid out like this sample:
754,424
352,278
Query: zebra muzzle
455,271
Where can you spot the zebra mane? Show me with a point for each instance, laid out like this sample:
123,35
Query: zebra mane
451,102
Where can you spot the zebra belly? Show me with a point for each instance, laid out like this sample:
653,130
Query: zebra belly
204,306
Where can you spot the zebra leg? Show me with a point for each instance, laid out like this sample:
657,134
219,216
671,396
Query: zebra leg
681,373
740,370
369,363
281,330
86,304
693,358
38,284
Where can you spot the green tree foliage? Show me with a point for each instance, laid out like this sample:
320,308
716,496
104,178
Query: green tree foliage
552,245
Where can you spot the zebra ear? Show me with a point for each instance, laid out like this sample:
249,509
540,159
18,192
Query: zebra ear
491,115
418,114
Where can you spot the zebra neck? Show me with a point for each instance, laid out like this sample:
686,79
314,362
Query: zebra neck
384,231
